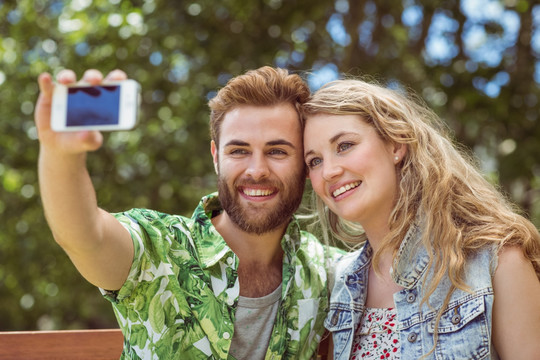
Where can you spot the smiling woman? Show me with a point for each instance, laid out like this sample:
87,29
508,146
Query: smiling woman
352,168
440,243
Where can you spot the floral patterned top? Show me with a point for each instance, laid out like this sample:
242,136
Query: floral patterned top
181,295
376,336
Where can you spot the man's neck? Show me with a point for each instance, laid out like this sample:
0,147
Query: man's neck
260,256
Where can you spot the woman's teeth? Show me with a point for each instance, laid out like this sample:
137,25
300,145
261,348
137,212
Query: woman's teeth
347,187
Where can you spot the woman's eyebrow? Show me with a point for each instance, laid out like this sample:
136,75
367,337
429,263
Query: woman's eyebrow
332,140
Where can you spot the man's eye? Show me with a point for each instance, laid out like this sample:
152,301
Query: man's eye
238,152
314,162
344,146
277,152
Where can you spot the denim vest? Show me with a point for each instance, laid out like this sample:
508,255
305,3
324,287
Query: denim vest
464,330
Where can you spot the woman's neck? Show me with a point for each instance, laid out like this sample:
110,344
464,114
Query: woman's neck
376,235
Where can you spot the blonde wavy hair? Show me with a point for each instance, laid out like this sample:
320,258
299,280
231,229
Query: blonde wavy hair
462,211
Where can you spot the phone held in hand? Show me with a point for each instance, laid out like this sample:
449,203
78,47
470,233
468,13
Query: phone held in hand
106,107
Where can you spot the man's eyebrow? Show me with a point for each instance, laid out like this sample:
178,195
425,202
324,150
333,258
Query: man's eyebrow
277,142
236,143
280,142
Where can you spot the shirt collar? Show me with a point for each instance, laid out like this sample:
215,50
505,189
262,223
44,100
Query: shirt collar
211,246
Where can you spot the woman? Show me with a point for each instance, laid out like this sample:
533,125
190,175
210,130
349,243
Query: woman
448,269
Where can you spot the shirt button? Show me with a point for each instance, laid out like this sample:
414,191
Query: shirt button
230,301
226,335
412,337
456,319
410,298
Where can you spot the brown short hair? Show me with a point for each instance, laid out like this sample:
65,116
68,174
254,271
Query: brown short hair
265,86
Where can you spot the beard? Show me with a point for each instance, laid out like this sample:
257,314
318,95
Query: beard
262,219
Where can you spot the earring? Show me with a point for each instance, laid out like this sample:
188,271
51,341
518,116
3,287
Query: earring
396,158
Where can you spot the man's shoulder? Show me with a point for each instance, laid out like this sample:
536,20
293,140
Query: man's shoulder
151,226
150,217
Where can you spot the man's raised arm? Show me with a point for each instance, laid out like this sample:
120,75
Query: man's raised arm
99,246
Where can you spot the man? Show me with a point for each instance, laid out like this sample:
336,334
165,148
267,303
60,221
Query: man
238,280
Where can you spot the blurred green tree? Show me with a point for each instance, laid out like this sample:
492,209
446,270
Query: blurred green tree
474,62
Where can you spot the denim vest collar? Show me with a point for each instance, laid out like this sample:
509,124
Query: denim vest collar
411,251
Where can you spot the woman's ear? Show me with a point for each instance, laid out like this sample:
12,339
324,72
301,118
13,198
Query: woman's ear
214,152
398,152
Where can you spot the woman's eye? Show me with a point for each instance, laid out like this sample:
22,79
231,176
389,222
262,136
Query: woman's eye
313,162
344,146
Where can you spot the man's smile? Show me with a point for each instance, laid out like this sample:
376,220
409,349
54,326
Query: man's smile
257,192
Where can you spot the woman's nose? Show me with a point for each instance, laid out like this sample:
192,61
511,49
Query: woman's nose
331,170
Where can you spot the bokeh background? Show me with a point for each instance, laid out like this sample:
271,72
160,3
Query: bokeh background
475,62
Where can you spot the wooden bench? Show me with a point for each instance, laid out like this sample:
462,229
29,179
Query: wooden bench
70,344
59,345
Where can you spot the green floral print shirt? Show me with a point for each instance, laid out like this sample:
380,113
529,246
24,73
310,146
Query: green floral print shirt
180,298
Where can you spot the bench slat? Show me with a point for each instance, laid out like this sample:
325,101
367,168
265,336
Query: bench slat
65,344
93,344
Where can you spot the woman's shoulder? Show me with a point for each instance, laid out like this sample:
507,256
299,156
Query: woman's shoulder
516,312
512,262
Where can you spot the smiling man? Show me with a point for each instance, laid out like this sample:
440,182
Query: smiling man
237,280
261,174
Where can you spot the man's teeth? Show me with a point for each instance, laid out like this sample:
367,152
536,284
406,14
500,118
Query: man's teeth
347,187
257,192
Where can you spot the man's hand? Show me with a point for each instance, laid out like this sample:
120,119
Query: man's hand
67,143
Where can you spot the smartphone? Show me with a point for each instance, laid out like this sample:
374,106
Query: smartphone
107,107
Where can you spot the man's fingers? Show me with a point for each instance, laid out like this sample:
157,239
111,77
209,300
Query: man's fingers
91,140
66,77
42,112
45,84
116,75
92,77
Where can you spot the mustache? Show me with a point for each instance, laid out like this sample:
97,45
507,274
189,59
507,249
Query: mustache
249,181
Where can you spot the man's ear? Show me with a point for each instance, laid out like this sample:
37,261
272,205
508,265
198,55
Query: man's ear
214,151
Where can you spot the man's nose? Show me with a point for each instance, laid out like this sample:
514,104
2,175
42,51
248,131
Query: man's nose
258,167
